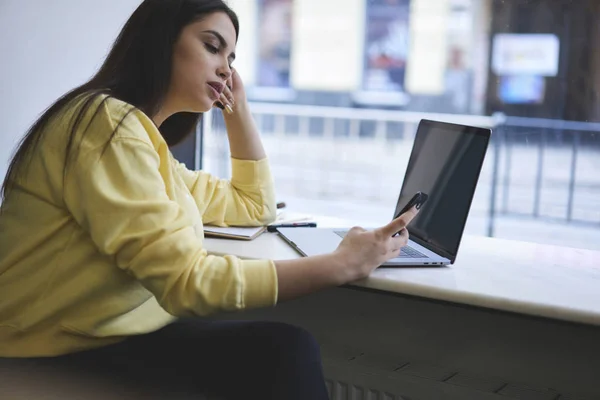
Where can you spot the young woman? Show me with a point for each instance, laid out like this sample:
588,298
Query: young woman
102,266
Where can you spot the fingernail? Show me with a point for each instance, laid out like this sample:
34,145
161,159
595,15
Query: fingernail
228,109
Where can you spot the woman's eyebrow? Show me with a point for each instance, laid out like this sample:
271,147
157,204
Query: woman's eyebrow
222,41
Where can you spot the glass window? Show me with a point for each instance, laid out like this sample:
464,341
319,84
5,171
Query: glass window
524,68
386,45
274,44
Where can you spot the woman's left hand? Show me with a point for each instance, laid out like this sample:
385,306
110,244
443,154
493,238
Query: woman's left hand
233,93
244,140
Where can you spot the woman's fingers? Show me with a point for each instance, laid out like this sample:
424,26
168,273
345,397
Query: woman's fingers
234,81
399,223
226,100
400,240
228,92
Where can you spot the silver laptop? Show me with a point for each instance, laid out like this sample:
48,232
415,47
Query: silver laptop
445,163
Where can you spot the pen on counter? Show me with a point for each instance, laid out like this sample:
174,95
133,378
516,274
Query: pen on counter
274,227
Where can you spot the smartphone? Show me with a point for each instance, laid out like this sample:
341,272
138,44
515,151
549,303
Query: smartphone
417,201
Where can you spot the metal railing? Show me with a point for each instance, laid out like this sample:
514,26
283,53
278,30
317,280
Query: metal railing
533,166
571,137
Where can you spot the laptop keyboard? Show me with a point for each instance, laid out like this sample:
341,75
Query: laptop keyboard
406,252
409,252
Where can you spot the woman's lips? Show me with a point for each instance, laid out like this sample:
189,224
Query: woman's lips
214,95
218,88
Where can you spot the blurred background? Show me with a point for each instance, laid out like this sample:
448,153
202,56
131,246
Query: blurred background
338,87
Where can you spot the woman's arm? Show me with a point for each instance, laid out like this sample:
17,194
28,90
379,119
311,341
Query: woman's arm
359,253
117,193
248,198
244,139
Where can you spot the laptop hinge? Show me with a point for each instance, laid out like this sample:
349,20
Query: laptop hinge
415,238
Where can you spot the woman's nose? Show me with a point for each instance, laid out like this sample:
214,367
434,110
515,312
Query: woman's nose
224,72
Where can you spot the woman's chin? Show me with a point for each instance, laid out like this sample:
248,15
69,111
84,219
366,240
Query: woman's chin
202,105
201,108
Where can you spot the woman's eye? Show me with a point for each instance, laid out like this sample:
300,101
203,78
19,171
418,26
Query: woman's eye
211,48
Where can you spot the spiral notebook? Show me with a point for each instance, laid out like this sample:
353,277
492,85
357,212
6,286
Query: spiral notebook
234,232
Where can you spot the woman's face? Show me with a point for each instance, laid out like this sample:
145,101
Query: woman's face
202,60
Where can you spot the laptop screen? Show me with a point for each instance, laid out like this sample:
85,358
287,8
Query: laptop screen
445,164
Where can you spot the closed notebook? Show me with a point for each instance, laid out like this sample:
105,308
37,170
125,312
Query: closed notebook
234,232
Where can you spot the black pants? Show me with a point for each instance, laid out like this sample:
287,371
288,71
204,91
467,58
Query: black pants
190,358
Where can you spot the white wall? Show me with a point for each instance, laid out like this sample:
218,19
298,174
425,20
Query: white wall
47,48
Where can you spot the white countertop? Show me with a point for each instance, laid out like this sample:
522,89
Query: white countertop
527,278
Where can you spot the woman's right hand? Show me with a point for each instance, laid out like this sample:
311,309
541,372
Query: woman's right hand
359,253
362,251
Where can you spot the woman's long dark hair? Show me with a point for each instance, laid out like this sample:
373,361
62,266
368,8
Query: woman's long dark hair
137,71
